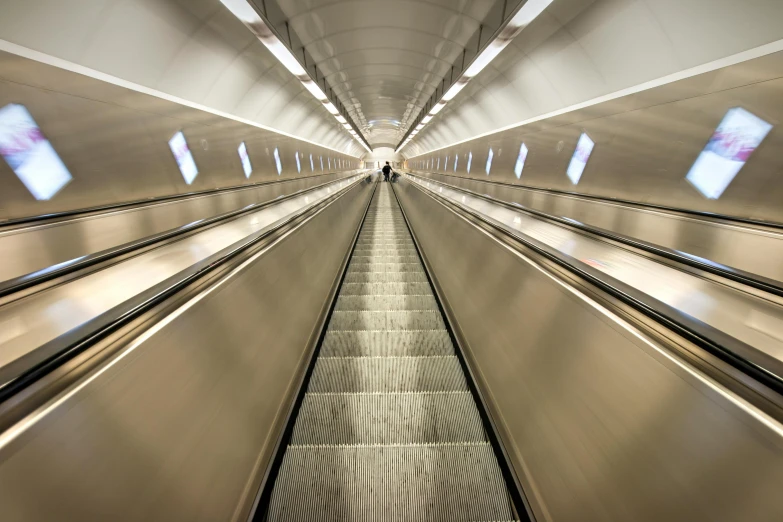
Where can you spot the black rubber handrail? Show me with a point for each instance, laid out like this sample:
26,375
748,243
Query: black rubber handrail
756,281
17,284
628,202
24,371
723,346
86,211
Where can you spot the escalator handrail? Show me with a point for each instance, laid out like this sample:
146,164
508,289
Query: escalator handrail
66,346
23,282
756,281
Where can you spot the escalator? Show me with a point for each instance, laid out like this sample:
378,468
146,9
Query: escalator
388,428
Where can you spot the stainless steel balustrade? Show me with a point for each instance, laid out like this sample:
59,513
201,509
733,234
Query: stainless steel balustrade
39,245
182,420
753,248
601,417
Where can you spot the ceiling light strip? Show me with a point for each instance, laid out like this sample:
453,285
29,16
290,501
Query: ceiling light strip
248,15
515,24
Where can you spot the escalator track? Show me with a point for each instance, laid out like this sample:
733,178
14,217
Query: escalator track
388,428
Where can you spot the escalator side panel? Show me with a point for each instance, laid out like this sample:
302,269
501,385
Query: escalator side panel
598,424
184,427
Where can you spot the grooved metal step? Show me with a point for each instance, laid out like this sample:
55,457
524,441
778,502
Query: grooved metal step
385,289
387,374
386,277
388,429
386,344
427,483
388,418
387,320
381,266
386,302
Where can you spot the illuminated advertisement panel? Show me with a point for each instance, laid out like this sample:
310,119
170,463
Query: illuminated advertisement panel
29,153
520,164
245,159
298,164
185,161
732,143
470,160
278,163
579,160
489,161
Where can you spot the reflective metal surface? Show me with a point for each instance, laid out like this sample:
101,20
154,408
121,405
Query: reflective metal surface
114,141
645,143
195,51
31,248
754,249
756,321
600,421
27,324
182,424
385,59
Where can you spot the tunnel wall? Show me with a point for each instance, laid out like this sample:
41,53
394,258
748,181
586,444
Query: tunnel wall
579,50
645,144
114,141
195,50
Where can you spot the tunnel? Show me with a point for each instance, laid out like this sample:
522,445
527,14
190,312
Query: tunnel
394,261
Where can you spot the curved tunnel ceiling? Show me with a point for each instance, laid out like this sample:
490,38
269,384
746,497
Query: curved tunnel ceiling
384,59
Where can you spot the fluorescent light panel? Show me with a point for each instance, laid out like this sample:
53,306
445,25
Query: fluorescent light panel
248,15
526,14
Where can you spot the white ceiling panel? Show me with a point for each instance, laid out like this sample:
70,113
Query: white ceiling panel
384,59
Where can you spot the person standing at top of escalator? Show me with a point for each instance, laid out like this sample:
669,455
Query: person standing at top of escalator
386,171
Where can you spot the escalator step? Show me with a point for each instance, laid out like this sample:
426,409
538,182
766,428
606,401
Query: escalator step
385,289
386,344
380,265
386,302
429,483
386,277
387,374
388,418
387,320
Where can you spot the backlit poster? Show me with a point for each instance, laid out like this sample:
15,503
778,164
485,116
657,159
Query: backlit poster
489,161
278,163
298,164
470,160
312,165
735,139
579,160
520,164
29,153
245,159
185,161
